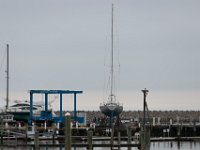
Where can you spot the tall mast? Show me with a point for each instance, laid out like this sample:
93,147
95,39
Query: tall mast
112,60
7,78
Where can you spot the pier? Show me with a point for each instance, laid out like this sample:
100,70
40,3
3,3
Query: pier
13,136
69,135
67,132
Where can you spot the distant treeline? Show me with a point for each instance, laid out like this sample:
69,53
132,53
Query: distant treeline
175,115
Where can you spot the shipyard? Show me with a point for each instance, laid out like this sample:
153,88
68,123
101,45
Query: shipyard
99,75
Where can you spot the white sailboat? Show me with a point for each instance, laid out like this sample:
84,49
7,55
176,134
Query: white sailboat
111,107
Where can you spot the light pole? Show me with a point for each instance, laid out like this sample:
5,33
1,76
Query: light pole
145,92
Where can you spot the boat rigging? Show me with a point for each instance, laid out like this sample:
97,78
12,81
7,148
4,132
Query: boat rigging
111,108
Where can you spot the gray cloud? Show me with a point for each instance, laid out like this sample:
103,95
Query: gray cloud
62,44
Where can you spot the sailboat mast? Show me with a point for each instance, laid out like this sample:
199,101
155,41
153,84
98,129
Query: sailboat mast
112,59
7,78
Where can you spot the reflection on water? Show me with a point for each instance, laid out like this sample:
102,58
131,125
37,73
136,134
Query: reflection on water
163,146
154,146
175,145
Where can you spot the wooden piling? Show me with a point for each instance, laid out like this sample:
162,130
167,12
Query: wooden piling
1,138
112,136
68,133
129,137
36,141
194,128
89,140
179,131
1,124
26,136
53,138
119,140
145,139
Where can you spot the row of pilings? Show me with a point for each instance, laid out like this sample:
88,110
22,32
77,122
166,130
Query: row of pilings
144,142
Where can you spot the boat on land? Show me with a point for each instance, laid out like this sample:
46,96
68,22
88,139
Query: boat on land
20,109
24,105
111,108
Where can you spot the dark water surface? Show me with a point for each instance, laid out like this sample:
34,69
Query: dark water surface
154,146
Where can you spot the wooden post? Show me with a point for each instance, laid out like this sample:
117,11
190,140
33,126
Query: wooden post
1,124
145,132
194,128
26,136
68,132
154,121
129,136
89,136
1,138
145,139
119,140
112,136
53,135
179,131
37,141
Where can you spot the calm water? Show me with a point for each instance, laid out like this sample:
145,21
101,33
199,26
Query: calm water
154,146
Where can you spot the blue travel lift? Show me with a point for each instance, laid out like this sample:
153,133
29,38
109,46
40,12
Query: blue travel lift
46,114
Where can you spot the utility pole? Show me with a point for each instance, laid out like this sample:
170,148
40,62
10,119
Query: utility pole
145,132
145,92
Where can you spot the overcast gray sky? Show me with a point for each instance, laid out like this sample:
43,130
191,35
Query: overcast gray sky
65,44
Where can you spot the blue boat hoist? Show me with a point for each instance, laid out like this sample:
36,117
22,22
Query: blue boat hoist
46,115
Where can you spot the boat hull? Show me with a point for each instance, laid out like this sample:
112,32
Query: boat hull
111,111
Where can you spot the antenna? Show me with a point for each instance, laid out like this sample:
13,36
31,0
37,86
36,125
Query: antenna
7,78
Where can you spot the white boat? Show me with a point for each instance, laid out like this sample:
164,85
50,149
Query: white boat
21,110
111,107
24,106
